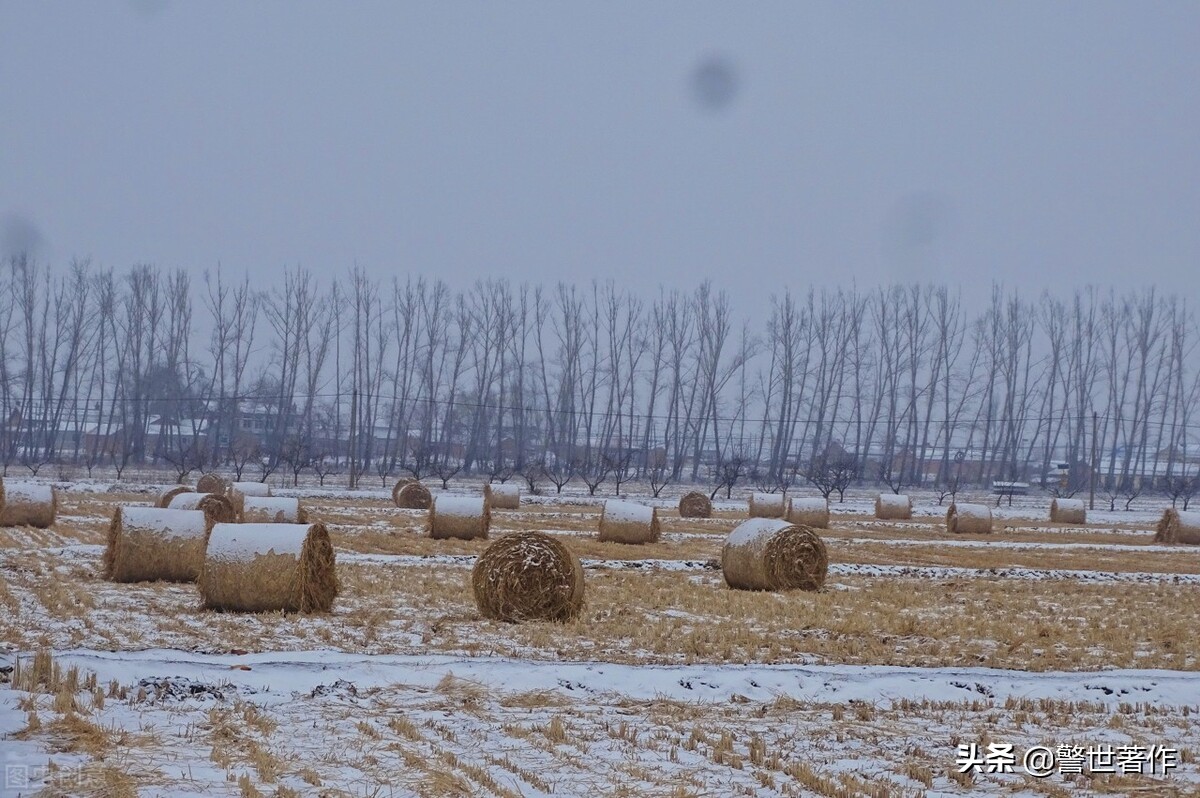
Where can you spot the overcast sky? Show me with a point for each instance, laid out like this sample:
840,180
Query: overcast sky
1043,143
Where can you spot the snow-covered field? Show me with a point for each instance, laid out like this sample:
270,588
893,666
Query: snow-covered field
919,648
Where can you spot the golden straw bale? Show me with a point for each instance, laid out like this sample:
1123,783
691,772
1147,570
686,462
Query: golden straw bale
1178,526
503,496
626,522
269,568
767,505
218,508
772,554
695,505
813,512
29,504
969,519
464,517
151,543
165,495
212,483
528,576
893,507
273,510
1068,511
412,496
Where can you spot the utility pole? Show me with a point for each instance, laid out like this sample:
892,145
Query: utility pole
1095,464
353,435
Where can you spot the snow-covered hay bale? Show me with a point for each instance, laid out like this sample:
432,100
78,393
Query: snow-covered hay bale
767,505
626,522
893,507
528,576
695,505
503,496
252,488
218,508
1178,526
1068,511
163,499
968,519
151,543
237,500
399,486
410,495
212,482
273,510
269,568
808,512
772,554
28,504
464,517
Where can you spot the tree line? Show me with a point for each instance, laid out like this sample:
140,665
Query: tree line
900,384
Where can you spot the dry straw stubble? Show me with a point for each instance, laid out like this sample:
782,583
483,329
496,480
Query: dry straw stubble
772,554
695,505
463,517
152,543
528,576
269,568
626,522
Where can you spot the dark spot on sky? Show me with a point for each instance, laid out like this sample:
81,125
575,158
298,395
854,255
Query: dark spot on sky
19,235
918,220
715,83
148,9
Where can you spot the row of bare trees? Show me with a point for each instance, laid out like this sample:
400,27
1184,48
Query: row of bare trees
594,381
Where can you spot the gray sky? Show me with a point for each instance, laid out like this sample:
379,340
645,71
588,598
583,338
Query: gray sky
1043,143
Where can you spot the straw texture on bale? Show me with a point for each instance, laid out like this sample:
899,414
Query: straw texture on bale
893,507
252,488
695,505
464,517
212,483
772,554
399,486
1068,511
767,505
528,576
151,543
28,504
412,496
1178,526
503,496
969,519
217,508
273,510
626,522
166,494
808,512
269,568
237,500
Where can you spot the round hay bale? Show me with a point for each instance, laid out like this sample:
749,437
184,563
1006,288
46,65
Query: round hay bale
528,576
273,510
463,517
1068,511
695,505
29,504
893,507
165,495
813,512
626,522
237,500
212,482
146,544
503,496
269,568
218,508
1178,526
968,519
766,505
251,488
399,486
412,496
772,554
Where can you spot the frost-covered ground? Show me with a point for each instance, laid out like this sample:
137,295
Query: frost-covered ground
381,698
